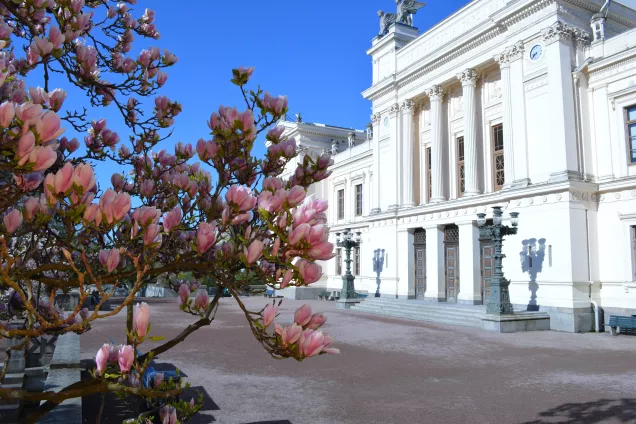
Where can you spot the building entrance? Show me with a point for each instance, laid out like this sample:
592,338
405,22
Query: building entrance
420,263
451,262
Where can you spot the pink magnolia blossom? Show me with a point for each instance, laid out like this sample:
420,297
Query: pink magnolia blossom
316,321
141,319
117,181
48,126
206,236
254,251
311,343
29,182
151,234
56,37
274,133
109,258
31,205
302,316
296,196
12,221
276,105
146,215
322,252
299,233
270,202
147,188
172,219
93,214
158,379
276,246
289,335
113,353
28,113
63,179
7,113
25,147
242,197
269,313
272,184
84,177
310,272
184,293
114,206
43,157
126,358
168,414
101,359
289,274
201,300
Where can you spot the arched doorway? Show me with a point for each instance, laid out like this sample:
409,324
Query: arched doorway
419,244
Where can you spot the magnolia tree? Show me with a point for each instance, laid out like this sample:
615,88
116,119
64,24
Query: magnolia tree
212,210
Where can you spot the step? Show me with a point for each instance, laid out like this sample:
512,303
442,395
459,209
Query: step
436,312
459,320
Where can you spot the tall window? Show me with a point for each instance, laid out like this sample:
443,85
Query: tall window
359,200
461,178
630,113
498,156
341,204
338,261
356,260
429,177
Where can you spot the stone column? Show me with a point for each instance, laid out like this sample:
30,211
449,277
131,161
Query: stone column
520,160
469,82
408,177
469,264
435,272
509,171
436,94
405,264
375,202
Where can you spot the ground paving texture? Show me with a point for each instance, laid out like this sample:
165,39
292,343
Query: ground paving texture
395,371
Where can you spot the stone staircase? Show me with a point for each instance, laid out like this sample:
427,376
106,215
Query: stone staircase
10,409
420,310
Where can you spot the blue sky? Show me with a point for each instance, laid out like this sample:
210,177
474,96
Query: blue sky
312,51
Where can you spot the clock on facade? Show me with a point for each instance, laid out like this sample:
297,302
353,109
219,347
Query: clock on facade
536,52
386,122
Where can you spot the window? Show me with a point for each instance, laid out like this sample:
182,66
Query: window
498,156
461,178
341,204
356,260
429,177
359,200
633,241
630,119
338,261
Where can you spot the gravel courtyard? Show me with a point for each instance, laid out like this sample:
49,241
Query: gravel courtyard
395,371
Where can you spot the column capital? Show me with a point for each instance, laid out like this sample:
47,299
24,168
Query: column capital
375,118
468,77
503,59
395,108
408,106
559,31
436,92
516,51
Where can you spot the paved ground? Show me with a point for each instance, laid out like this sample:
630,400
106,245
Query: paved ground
395,371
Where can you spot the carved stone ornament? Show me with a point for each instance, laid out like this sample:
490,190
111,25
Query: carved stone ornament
516,51
375,118
582,38
408,106
351,138
394,108
435,92
558,31
468,77
502,59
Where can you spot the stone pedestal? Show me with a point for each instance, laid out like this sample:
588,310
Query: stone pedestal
346,303
517,322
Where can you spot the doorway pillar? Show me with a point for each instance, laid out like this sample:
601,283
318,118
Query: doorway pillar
435,285
470,264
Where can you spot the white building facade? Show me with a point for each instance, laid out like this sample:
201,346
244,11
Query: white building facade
515,103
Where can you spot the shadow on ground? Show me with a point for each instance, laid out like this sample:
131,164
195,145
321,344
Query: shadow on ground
600,411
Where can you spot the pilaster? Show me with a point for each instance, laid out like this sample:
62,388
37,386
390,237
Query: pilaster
509,171
375,202
408,193
435,284
520,153
469,264
395,179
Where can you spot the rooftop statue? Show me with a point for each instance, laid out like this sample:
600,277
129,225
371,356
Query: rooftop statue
405,11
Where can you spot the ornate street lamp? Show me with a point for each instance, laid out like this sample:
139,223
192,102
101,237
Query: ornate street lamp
348,293
499,302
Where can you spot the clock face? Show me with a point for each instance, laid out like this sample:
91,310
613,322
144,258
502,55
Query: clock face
386,122
536,52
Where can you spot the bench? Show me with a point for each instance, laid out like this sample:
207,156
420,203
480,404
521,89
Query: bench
325,295
622,323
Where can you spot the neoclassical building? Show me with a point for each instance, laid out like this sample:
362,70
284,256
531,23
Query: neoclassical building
525,104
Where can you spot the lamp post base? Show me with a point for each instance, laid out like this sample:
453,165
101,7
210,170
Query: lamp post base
346,303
